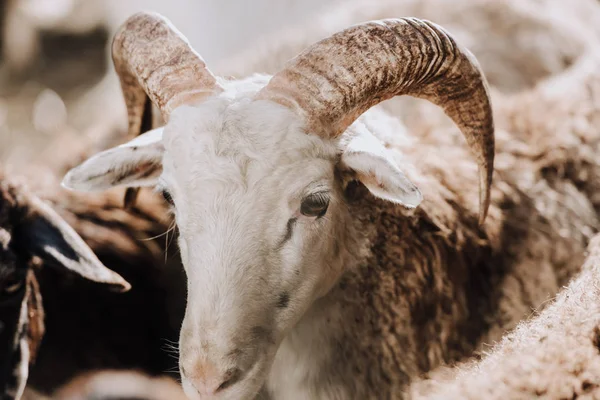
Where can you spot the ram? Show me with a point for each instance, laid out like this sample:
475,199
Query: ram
63,325
329,251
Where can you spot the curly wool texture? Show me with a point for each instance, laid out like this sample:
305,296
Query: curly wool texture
563,141
432,289
555,355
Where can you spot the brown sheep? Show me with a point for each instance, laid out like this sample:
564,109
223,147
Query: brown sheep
99,330
31,233
81,325
355,295
555,355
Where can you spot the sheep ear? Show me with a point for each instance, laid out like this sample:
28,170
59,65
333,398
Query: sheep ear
45,234
136,163
375,167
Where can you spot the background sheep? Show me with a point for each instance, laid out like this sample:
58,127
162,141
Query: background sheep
555,355
27,20
31,231
64,44
85,327
416,288
135,330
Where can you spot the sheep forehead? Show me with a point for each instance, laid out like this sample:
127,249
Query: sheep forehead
234,145
238,126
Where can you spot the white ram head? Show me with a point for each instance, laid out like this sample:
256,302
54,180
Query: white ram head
257,171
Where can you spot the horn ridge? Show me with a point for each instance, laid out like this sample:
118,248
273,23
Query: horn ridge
334,81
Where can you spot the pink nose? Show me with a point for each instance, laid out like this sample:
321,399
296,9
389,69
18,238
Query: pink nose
207,379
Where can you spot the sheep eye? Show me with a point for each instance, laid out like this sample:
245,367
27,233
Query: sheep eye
167,196
315,205
13,286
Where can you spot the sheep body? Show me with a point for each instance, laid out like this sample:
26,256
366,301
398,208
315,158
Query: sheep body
86,326
431,289
552,356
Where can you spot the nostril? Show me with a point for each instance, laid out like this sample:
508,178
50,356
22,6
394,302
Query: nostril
231,376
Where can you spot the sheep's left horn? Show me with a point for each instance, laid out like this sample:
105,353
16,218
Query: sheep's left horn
337,79
155,62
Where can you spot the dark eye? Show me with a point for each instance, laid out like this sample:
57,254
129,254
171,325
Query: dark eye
315,205
167,196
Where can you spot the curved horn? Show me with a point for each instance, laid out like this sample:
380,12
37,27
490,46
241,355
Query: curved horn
153,58
155,62
337,79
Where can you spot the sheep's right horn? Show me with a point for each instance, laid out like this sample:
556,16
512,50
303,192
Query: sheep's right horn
153,58
155,62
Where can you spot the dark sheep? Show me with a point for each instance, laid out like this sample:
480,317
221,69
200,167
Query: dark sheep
74,325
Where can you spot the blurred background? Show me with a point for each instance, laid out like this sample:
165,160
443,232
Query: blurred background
57,81
55,54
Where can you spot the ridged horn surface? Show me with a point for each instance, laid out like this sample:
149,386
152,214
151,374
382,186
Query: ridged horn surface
338,78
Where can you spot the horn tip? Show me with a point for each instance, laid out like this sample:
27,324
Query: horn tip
123,287
484,202
482,216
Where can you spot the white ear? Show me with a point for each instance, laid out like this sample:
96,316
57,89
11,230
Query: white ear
133,164
376,169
